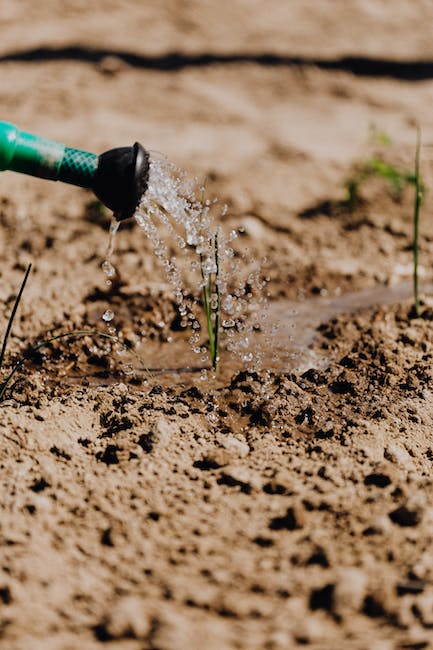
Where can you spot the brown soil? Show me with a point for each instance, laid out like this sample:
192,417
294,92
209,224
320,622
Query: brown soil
284,508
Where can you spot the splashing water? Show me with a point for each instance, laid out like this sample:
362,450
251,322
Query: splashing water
107,265
201,265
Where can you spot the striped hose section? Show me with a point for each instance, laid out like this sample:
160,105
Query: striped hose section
78,167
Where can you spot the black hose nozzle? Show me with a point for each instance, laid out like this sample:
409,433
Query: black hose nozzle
121,179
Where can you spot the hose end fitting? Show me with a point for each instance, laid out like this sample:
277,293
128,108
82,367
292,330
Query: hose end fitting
121,179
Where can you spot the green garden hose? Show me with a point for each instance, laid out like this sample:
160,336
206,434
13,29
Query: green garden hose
118,177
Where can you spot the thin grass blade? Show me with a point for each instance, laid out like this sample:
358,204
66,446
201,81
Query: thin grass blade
13,314
416,213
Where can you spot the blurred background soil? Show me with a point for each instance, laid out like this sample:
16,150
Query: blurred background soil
273,510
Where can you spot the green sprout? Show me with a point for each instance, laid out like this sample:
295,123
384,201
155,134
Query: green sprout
212,303
418,199
376,167
211,294
397,178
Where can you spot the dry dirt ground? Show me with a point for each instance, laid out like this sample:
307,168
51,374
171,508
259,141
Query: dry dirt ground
284,508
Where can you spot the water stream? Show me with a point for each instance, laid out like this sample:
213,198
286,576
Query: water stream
291,347
219,293
195,255
293,344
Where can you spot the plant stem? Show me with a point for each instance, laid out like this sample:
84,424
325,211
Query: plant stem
215,357
12,316
207,310
416,210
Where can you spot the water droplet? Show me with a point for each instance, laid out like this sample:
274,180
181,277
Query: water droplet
108,269
128,369
108,315
114,226
228,304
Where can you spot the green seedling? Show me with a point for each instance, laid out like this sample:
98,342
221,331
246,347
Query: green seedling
41,344
212,304
418,199
398,179
211,295
376,167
